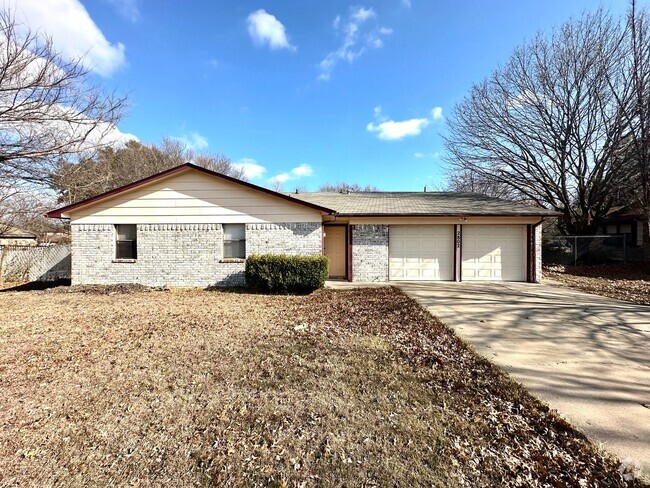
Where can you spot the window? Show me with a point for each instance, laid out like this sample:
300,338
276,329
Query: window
611,229
234,241
625,229
126,243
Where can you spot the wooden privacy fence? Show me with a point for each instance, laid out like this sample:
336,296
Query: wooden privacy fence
28,263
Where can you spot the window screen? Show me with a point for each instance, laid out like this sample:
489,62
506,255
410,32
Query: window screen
234,241
126,243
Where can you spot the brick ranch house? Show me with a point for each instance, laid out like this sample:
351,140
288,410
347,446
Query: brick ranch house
189,226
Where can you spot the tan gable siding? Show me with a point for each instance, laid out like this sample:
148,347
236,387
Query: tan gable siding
196,198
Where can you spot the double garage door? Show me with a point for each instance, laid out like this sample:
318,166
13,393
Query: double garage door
426,252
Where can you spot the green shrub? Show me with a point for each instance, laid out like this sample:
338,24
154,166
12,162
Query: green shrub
280,273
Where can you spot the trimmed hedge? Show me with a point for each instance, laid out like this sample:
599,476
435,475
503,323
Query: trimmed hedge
280,273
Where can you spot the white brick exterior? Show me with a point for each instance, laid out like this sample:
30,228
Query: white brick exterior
182,254
192,254
369,252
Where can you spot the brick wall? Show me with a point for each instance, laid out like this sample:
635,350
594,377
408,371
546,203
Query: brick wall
303,238
181,254
369,252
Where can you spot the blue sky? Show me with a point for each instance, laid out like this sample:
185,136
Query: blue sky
301,92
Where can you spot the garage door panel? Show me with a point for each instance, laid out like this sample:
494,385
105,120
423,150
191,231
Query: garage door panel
421,252
493,252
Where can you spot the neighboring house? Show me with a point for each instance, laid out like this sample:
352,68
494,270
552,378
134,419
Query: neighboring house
189,226
55,238
17,237
626,221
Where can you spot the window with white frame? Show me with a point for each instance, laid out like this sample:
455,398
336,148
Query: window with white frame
126,241
234,241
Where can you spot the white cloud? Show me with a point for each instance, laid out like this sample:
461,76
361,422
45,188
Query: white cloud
356,38
433,155
436,113
193,141
265,28
406,3
361,14
302,170
281,178
392,130
296,173
73,32
102,134
128,9
251,169
115,137
68,124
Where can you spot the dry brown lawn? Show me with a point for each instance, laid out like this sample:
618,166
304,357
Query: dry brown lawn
126,386
630,282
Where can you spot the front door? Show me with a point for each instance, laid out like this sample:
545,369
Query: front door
335,249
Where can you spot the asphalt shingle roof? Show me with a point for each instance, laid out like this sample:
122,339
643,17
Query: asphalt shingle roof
419,203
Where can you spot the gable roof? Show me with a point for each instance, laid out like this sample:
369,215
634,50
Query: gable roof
621,213
58,213
360,204
439,204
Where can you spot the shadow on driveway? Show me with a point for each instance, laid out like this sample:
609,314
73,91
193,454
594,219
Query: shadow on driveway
587,356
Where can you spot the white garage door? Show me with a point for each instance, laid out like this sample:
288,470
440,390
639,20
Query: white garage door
494,253
421,252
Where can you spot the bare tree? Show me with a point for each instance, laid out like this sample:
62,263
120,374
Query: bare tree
8,192
461,179
276,185
547,125
343,187
633,96
47,107
114,167
26,210
18,209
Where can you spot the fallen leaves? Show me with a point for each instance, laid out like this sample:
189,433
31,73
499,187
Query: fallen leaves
196,387
623,282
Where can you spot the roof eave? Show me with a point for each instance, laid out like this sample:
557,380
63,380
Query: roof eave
459,215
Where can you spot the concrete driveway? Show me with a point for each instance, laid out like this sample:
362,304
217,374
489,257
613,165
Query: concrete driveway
587,356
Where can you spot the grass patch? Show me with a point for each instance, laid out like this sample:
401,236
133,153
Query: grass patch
340,388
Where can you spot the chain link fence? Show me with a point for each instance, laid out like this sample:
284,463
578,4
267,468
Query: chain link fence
590,250
29,263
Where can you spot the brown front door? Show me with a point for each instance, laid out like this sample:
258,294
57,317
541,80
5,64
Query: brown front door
335,249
